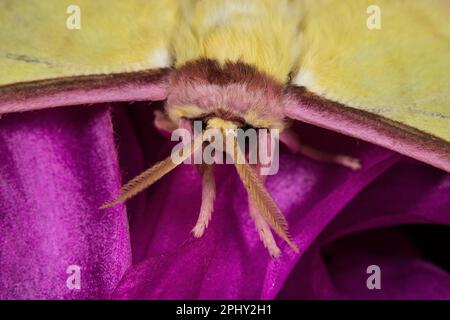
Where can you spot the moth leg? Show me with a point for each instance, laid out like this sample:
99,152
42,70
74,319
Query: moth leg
290,138
265,234
163,123
208,196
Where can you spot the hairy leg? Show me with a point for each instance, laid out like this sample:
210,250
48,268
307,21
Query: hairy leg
163,123
208,196
290,138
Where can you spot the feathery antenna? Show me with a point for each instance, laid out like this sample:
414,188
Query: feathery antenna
262,198
150,176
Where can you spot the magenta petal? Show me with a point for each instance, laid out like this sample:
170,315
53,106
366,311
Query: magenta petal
174,275
416,194
407,193
56,168
340,270
404,274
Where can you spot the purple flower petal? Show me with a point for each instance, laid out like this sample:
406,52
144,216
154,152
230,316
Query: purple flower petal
56,168
339,270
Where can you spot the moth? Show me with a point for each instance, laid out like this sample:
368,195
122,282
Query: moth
246,63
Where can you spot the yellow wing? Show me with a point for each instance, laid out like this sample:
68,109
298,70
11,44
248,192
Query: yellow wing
114,37
400,71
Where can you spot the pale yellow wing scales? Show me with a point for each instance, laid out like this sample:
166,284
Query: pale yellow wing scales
401,71
115,36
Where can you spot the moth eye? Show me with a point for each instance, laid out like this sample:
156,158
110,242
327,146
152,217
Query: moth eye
247,126
204,124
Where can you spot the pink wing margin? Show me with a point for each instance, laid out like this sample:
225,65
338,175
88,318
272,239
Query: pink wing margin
304,106
408,141
81,90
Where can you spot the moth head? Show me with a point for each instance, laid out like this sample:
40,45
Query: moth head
253,117
232,91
